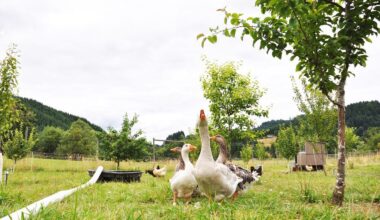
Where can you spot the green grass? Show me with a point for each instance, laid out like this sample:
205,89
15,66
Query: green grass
278,195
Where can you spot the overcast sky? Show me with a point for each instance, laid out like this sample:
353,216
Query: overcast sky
99,59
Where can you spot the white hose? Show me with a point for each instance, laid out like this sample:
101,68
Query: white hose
34,208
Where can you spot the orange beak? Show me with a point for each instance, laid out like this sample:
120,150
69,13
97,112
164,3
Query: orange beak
202,115
213,138
173,149
192,148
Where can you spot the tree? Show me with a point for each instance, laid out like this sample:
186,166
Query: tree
374,142
325,37
8,84
234,99
49,139
260,152
372,138
286,143
353,141
105,143
318,122
164,149
128,144
18,146
246,153
80,139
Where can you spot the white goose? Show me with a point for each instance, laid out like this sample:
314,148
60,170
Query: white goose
183,182
214,179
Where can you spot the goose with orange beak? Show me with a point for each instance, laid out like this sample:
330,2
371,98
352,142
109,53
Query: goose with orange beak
214,179
183,182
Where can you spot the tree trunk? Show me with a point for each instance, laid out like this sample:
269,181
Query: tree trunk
118,165
338,194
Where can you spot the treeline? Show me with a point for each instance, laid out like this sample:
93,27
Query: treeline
48,116
361,116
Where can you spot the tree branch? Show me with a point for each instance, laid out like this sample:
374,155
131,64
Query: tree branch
332,100
331,2
216,32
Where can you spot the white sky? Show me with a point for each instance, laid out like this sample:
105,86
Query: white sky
99,59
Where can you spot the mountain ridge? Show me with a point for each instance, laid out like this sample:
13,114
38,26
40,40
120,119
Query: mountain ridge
49,116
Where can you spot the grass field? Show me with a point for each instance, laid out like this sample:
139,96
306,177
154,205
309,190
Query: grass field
278,195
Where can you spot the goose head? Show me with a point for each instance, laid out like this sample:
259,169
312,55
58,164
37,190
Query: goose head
176,149
202,120
223,151
218,139
186,148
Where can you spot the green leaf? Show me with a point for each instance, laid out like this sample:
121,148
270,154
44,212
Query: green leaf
368,39
292,22
235,21
299,67
203,42
200,35
212,39
233,32
226,33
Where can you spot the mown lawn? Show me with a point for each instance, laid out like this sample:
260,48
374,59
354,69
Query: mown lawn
279,195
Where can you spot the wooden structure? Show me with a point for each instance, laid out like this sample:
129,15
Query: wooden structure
313,157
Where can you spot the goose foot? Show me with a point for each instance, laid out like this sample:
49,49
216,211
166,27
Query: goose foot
235,195
174,198
188,198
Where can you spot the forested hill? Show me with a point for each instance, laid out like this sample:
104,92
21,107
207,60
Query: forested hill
47,116
360,115
363,115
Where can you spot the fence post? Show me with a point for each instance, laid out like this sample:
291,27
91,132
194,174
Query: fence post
31,162
154,150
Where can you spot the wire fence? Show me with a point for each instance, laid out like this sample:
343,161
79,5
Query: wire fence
78,157
81,157
355,154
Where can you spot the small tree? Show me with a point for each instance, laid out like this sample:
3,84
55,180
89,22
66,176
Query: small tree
318,121
18,146
106,139
353,141
79,139
8,84
260,152
286,143
128,145
234,99
246,153
373,140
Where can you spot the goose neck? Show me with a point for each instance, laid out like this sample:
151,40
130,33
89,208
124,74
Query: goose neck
205,139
